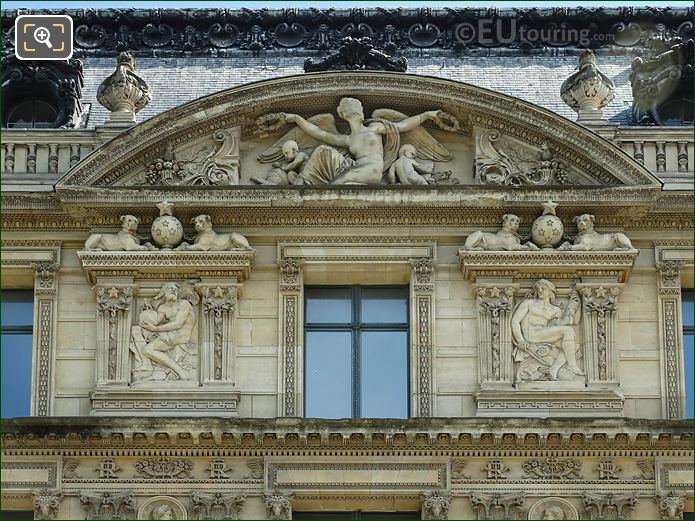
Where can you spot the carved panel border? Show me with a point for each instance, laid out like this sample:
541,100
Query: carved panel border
295,256
670,260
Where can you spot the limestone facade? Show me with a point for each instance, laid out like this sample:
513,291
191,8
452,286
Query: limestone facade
544,261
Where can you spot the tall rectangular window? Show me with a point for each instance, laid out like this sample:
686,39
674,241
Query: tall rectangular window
356,354
688,351
17,318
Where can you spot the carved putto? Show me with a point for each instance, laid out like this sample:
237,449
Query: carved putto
589,239
545,347
506,239
162,341
278,505
364,156
124,91
208,239
46,503
435,504
125,240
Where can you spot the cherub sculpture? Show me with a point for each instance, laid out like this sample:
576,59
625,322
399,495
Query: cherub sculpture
125,240
286,171
365,155
406,169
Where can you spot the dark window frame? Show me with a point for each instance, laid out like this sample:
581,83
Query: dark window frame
355,327
687,295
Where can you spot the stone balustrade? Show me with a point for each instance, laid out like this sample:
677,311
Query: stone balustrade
49,152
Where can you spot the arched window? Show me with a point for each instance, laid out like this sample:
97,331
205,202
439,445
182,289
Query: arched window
32,113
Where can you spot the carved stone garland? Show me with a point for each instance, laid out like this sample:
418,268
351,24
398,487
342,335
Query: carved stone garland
45,297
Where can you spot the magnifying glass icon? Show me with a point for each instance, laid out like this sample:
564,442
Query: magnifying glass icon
43,35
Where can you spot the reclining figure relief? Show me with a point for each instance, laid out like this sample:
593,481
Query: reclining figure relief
362,156
125,240
506,239
545,347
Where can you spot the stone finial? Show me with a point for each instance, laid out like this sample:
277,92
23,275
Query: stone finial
588,90
124,93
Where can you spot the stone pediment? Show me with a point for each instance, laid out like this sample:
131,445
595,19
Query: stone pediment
295,132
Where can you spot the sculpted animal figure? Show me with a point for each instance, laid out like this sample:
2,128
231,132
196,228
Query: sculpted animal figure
589,239
127,239
208,239
505,239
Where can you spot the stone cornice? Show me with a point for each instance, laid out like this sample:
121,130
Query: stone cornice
293,433
226,32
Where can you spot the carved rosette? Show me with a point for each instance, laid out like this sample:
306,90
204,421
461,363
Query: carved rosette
608,506
588,90
600,307
498,506
495,305
219,302
46,503
435,504
114,304
422,284
124,91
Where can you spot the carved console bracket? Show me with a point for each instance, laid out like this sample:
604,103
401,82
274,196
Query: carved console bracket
301,262
546,326
143,364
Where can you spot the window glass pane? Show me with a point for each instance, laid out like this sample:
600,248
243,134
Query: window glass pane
688,309
328,305
328,374
689,369
16,375
6,515
385,305
17,307
384,374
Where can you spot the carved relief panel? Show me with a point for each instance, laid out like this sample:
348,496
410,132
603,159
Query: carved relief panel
546,316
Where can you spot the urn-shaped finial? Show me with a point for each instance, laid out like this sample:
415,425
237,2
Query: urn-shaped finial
124,93
547,230
167,230
588,90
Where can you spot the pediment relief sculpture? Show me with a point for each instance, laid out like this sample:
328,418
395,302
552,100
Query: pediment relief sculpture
543,336
505,161
163,342
213,161
315,152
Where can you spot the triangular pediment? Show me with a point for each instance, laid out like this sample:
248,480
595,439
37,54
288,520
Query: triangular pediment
460,136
